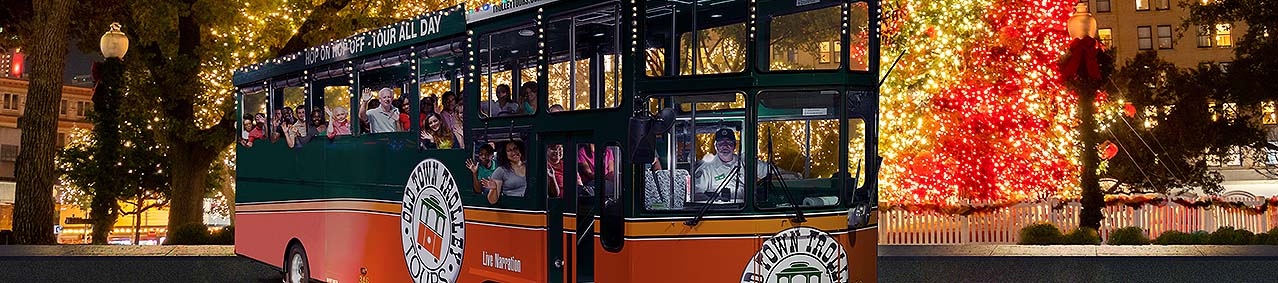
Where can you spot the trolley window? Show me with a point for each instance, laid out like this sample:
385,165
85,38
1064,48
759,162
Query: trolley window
440,115
385,101
700,37
499,169
804,37
799,145
859,48
585,72
253,117
500,55
287,95
336,119
691,166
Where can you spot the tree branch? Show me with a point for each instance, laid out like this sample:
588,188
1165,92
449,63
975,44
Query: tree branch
314,21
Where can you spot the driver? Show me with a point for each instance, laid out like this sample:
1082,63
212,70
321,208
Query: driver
715,169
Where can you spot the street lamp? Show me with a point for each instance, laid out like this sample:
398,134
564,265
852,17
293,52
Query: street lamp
106,129
1082,23
1081,72
114,44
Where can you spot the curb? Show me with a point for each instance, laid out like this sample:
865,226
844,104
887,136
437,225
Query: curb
106,250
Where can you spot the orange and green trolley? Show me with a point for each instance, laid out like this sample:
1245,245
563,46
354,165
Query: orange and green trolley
570,141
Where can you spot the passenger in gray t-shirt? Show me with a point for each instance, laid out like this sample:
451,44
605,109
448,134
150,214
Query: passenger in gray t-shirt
510,177
512,184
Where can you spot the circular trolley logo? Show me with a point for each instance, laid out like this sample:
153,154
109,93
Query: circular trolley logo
434,231
799,254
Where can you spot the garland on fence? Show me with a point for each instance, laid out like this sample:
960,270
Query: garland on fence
1134,201
963,210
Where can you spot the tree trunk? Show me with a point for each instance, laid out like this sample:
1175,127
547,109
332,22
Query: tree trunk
191,165
34,214
228,191
137,221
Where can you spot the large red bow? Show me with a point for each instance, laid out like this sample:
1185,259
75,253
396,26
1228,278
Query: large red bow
1082,53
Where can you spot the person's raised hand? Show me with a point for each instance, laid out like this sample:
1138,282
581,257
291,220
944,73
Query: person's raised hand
472,165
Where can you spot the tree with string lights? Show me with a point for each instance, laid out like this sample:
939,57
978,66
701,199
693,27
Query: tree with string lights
1169,123
186,51
975,112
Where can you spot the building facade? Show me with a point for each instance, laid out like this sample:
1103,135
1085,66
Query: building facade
12,63
1130,27
1133,26
76,101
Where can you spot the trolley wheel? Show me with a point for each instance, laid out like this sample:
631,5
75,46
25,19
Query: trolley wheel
296,267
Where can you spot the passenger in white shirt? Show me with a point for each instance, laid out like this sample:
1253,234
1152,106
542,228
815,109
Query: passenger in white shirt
384,118
715,169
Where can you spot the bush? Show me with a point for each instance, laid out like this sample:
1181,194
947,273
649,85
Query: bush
1040,234
188,234
224,237
1267,238
1199,237
1230,236
1128,236
6,237
1082,236
1182,238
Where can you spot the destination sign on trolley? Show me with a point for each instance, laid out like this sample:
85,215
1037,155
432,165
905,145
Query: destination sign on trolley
422,27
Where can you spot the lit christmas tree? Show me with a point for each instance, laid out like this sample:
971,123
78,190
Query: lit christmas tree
974,113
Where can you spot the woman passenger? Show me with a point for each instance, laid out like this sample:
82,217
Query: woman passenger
510,177
434,135
529,92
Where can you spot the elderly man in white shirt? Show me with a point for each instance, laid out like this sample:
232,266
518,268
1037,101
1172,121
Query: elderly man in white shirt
384,118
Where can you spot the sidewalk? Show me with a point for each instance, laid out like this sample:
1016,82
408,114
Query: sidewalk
1077,251
114,250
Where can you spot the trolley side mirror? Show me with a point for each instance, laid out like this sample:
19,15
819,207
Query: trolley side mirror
643,131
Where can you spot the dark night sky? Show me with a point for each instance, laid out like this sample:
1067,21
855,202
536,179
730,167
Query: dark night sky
78,62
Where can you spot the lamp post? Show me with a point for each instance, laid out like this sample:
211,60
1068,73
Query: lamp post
1081,72
106,130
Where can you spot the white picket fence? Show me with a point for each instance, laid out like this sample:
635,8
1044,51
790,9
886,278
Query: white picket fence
900,227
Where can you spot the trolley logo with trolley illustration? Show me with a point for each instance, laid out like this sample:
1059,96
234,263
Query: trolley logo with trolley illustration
799,254
433,226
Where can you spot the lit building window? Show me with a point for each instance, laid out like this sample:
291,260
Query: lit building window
1204,36
1164,37
1270,115
1106,36
1144,38
1142,5
1222,35
1163,4
829,51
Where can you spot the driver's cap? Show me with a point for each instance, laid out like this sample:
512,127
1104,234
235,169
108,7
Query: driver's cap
724,134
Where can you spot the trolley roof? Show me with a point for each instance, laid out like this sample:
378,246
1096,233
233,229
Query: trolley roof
420,29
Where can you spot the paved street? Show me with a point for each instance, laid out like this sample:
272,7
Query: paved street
220,269
975,263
